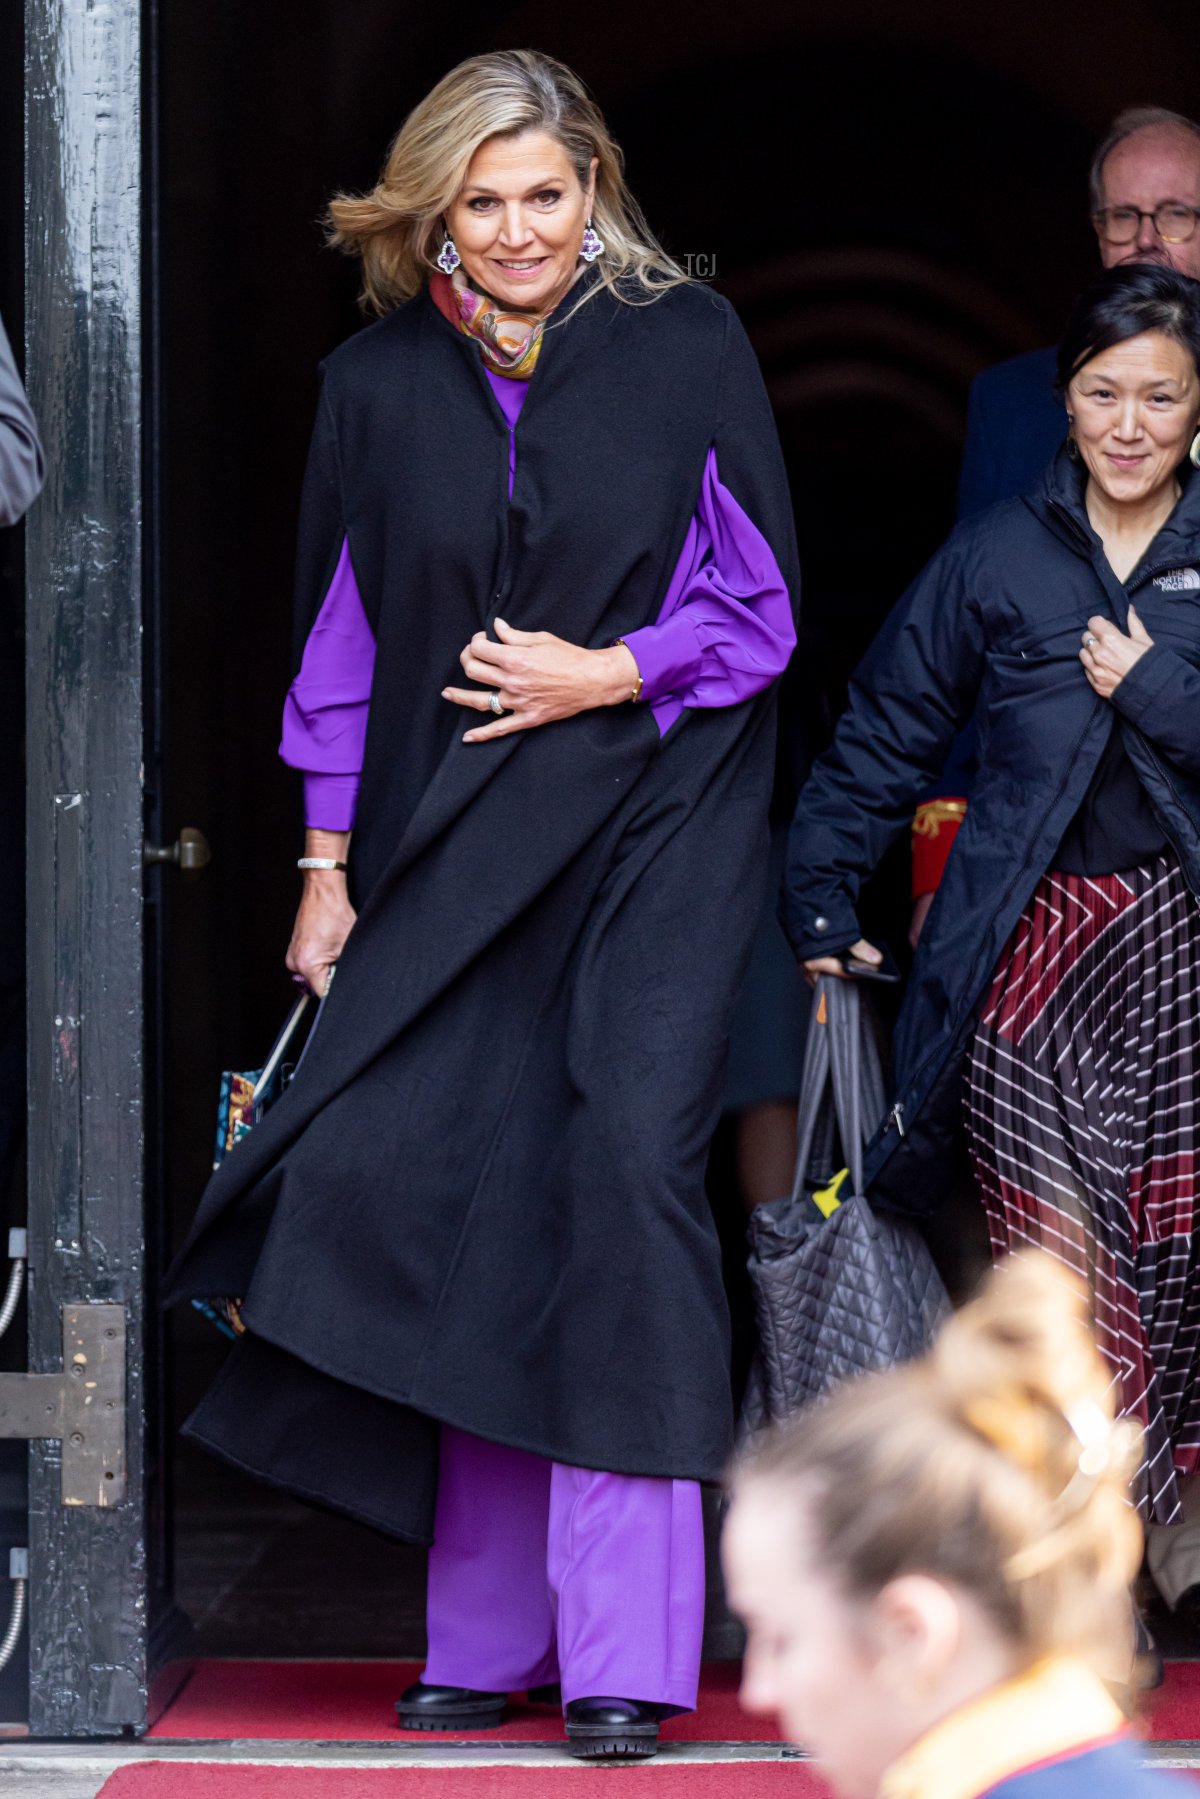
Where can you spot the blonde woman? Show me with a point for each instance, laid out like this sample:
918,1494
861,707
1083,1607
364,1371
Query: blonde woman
932,1567
481,1287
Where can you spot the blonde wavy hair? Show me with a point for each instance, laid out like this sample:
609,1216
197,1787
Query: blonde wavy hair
394,228
993,1464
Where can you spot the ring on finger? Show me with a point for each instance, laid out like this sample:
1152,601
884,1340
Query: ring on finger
496,703
1089,640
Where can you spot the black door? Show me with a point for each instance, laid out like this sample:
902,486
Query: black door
99,1614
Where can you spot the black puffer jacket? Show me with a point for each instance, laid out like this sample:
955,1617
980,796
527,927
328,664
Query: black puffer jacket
995,619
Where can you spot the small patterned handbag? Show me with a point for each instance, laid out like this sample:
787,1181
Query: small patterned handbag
244,1098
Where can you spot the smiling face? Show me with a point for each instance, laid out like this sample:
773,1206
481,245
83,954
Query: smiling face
519,218
813,1658
1136,409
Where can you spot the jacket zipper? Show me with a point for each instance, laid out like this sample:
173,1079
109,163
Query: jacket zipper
1151,574
1170,785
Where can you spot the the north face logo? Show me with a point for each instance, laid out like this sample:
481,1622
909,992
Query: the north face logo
1178,580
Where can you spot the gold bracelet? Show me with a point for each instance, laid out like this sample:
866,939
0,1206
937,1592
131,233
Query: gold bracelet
637,689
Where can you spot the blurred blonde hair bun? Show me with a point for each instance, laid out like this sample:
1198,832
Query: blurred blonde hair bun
994,1464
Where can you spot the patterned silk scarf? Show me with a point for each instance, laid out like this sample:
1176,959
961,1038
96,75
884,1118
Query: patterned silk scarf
510,340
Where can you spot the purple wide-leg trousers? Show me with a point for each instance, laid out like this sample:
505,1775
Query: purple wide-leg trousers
540,1572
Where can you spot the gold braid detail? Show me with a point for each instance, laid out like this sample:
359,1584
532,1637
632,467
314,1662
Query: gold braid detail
933,814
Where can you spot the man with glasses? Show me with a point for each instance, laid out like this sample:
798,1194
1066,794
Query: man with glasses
1144,197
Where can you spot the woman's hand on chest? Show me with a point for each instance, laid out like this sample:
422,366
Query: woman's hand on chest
1108,653
537,678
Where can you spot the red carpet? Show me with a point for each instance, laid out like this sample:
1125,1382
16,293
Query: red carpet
1172,1715
695,1780
352,1702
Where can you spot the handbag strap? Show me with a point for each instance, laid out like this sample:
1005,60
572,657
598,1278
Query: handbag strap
855,1075
841,1053
279,1047
316,1021
814,1079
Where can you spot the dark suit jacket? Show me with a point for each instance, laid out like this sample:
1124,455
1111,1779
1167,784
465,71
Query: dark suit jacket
1015,423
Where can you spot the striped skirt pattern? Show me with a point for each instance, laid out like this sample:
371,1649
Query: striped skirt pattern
1084,1123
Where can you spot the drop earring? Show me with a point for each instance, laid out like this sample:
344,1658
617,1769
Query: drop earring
1194,452
1072,446
591,246
448,256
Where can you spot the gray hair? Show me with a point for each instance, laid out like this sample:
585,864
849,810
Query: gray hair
1126,124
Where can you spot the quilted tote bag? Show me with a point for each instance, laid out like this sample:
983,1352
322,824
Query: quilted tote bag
839,1289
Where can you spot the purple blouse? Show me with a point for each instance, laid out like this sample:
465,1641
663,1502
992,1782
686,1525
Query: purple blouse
724,631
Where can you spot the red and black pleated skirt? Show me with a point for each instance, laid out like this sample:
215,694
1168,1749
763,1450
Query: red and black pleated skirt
1084,1120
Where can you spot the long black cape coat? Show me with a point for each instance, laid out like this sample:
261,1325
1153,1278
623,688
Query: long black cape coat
482,1201
992,628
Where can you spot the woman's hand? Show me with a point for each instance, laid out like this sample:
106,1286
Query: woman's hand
323,923
862,951
1108,655
539,677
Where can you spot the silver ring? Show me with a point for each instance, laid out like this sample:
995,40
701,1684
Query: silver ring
1089,640
494,702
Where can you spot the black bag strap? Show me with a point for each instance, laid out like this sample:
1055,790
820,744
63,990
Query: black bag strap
840,1054
316,1021
811,1107
279,1047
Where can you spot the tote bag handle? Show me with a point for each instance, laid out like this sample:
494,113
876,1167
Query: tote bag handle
291,1024
840,1053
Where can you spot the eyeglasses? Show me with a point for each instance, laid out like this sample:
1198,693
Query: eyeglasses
1174,222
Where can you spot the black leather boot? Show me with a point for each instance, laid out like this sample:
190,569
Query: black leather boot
612,1729
461,1708
449,1708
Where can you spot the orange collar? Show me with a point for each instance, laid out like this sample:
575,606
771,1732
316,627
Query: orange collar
1056,1708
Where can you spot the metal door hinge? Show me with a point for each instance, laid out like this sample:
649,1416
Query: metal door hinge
83,1407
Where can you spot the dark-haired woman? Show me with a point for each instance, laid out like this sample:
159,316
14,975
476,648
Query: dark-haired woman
544,592
1060,968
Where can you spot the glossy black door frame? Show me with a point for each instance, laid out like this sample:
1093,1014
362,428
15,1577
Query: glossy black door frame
93,1575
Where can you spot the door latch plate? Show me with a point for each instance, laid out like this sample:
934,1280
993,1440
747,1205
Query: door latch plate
83,1407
